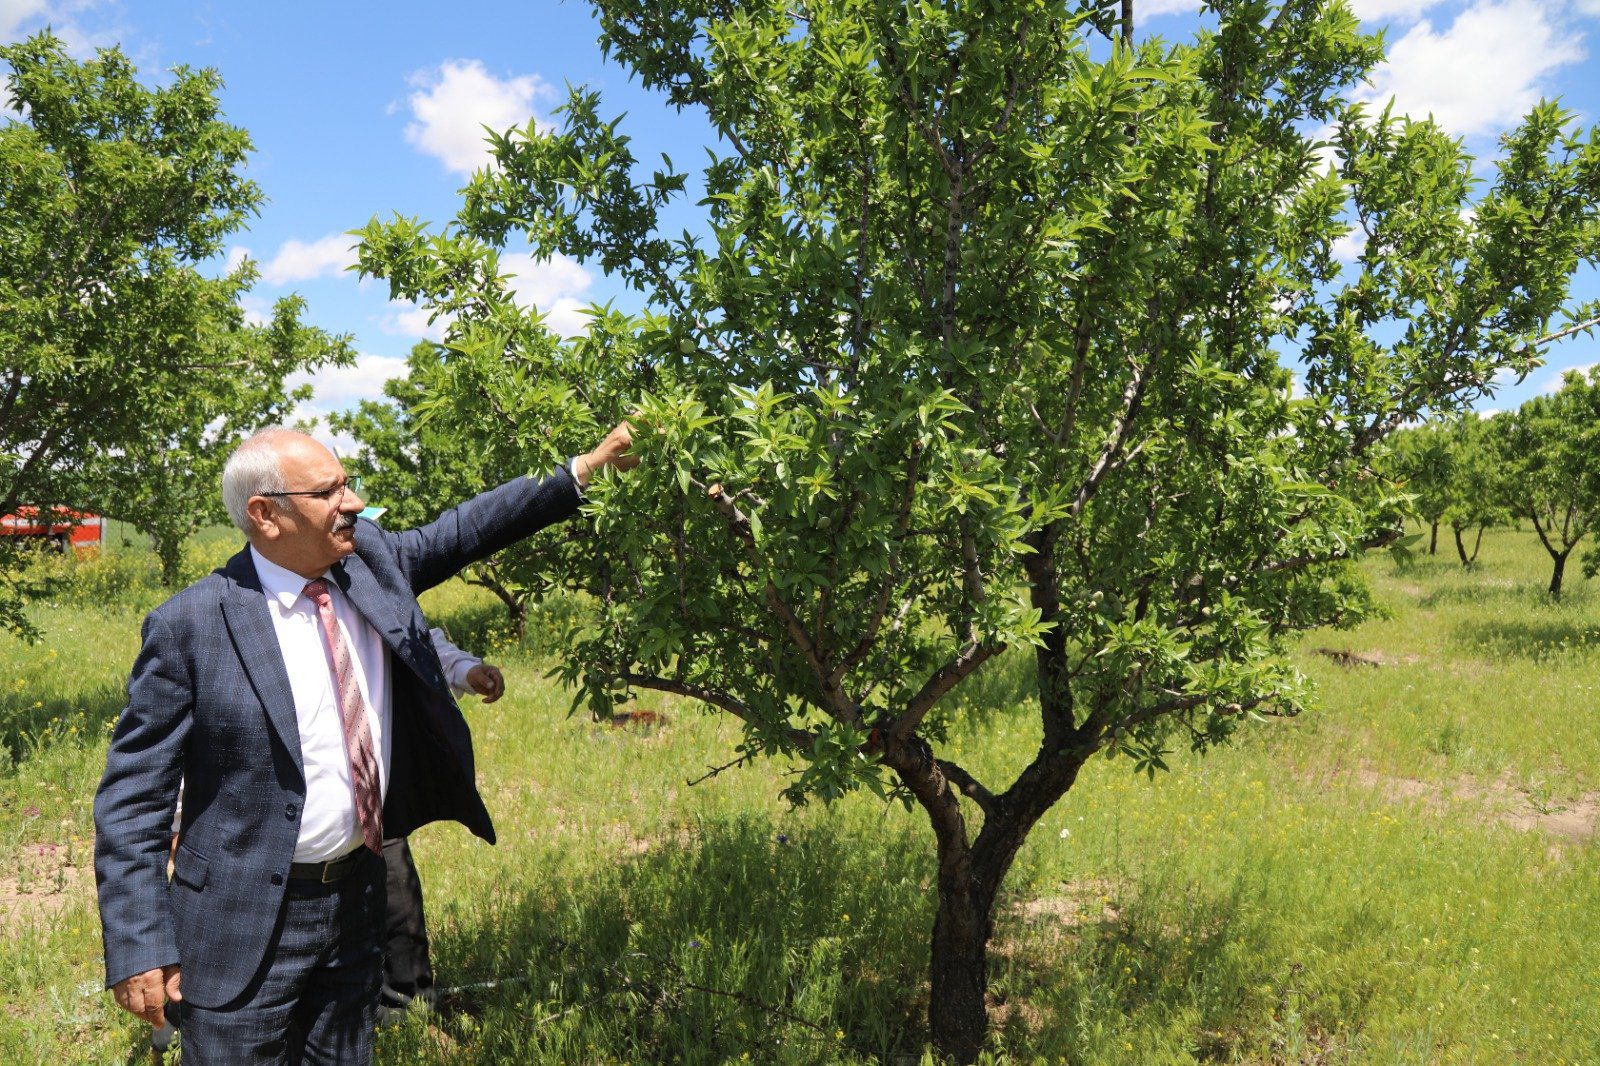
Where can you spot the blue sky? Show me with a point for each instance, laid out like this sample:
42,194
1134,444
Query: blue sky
364,109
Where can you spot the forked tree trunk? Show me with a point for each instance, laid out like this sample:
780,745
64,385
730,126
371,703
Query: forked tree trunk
1559,571
1559,558
970,876
516,607
1468,558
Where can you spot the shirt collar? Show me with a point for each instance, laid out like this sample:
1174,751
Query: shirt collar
277,582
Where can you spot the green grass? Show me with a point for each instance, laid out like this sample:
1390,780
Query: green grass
1347,887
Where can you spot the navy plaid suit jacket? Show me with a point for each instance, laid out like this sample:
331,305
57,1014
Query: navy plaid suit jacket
209,701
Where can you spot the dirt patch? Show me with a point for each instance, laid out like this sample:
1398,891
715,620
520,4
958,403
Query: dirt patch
41,880
1076,907
1372,658
1575,819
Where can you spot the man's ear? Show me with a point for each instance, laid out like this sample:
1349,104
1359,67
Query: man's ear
264,516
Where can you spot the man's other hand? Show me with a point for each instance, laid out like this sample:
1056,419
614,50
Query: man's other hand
487,682
612,451
146,994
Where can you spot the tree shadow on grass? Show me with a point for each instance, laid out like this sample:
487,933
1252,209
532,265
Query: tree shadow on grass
796,945
1080,969
31,721
1534,639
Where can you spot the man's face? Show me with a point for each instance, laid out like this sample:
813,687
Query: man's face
311,525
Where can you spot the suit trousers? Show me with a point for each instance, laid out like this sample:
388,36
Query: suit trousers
407,969
316,996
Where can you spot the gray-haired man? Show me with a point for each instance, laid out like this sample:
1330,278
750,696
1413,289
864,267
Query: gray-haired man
297,693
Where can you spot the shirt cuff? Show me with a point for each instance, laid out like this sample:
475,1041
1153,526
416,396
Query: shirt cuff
572,468
459,671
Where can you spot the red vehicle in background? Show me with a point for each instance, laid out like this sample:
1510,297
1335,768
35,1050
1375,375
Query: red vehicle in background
62,529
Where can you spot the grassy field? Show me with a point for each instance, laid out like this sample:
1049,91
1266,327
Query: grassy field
1409,874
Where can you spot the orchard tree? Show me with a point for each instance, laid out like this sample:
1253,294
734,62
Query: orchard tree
165,482
1553,467
1420,459
418,459
1475,496
978,348
116,335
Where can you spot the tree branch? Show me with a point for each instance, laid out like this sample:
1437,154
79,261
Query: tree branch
800,738
967,785
1180,703
834,698
891,574
1132,395
943,680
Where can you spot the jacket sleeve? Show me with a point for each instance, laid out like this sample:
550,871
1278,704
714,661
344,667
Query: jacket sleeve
476,529
134,806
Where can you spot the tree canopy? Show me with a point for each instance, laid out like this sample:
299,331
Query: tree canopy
119,336
1552,469
984,345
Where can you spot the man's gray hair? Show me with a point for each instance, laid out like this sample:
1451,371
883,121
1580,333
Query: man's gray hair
253,469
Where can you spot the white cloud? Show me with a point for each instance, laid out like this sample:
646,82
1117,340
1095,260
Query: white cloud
338,387
257,312
1151,8
14,13
1553,380
1587,7
454,102
1481,74
237,254
1385,10
20,18
299,261
1348,249
555,286
406,319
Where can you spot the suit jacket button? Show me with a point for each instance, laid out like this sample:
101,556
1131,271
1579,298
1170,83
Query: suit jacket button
277,879
290,811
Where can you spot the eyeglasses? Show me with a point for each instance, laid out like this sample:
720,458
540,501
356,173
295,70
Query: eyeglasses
335,491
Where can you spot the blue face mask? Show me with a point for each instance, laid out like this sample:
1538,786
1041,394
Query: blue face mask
373,513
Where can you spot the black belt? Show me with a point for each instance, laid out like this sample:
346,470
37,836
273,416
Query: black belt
332,870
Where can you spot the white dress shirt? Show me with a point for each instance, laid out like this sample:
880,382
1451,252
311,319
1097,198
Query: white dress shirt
457,663
328,824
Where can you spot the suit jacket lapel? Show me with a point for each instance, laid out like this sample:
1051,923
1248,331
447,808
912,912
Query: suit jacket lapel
355,580
250,625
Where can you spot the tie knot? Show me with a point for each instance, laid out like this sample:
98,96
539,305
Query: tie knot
317,590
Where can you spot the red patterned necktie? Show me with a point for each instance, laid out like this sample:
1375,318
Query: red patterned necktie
353,714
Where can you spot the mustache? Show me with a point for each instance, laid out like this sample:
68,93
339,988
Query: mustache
346,521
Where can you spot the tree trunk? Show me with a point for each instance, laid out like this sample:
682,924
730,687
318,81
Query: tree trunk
1461,549
958,969
1477,543
1558,572
516,606
1433,540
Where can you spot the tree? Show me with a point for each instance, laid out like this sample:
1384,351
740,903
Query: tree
416,462
164,483
1476,491
1553,466
115,197
1420,459
979,349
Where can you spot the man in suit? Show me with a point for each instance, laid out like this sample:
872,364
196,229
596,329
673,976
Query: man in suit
297,693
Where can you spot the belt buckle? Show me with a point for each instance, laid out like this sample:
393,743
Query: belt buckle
327,868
